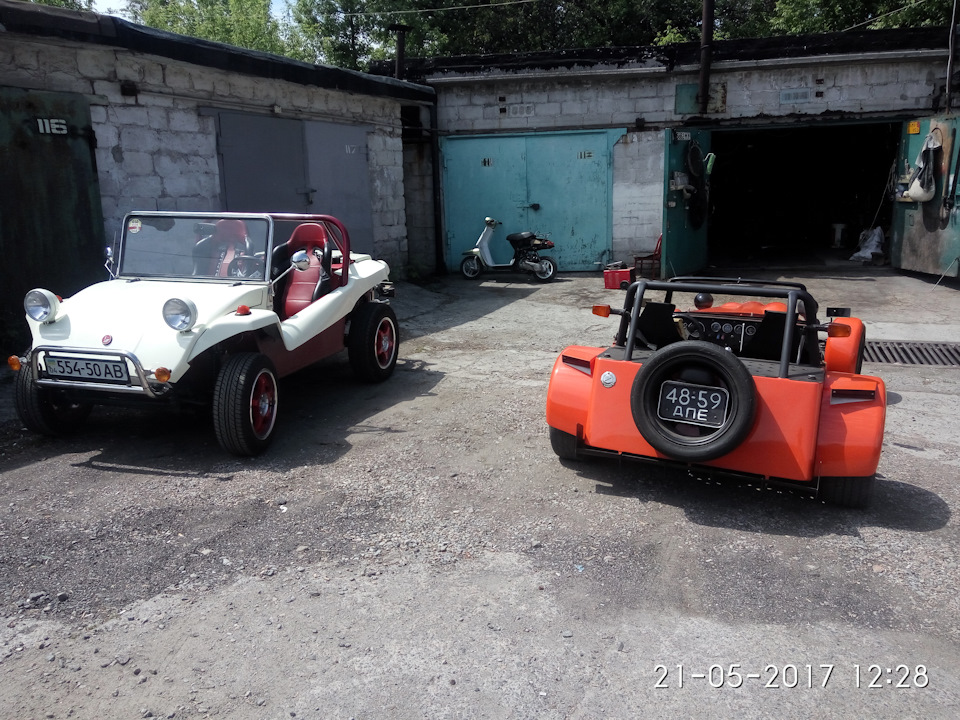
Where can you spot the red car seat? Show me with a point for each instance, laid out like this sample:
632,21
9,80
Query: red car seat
308,285
213,254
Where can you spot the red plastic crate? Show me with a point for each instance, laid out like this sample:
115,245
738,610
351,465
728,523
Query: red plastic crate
619,279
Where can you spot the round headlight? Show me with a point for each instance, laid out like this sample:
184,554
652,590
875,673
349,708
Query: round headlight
41,305
179,314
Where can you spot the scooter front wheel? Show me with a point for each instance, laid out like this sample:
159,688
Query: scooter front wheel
470,267
548,269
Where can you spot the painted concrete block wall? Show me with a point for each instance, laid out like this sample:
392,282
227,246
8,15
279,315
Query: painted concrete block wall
637,194
642,101
418,197
156,148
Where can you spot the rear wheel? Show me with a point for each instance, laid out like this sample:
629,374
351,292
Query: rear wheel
374,341
853,492
564,444
45,410
548,269
245,404
470,267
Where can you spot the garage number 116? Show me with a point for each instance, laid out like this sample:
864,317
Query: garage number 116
51,126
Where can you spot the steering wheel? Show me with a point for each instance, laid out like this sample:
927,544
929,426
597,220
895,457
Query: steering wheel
246,266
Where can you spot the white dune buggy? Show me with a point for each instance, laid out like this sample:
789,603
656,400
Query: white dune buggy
207,309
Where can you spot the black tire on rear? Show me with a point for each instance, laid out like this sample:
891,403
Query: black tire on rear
550,273
564,444
852,492
245,404
45,410
470,267
700,363
374,341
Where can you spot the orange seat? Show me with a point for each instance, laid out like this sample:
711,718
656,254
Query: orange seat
306,286
651,263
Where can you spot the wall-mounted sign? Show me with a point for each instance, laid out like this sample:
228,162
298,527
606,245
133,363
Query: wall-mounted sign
51,126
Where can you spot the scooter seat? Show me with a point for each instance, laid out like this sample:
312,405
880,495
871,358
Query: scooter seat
520,239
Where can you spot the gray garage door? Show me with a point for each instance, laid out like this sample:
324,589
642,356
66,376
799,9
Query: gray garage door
271,164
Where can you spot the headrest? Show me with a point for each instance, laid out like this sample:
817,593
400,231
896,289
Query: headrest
231,231
306,236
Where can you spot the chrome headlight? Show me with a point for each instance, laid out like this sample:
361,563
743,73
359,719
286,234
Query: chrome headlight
180,314
41,305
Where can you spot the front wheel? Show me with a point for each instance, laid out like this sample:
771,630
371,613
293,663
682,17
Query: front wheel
548,269
46,411
470,267
245,404
374,341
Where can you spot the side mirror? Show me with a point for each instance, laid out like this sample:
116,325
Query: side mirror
300,260
108,260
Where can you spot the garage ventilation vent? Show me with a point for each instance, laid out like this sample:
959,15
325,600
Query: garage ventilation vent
913,353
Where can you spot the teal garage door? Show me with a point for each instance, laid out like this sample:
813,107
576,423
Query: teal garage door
558,184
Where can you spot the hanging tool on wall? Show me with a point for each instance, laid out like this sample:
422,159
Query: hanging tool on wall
949,198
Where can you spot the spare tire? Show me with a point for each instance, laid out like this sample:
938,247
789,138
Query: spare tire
709,400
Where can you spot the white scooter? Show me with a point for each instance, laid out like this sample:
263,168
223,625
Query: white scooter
526,256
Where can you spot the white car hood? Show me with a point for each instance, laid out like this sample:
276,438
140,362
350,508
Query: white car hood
127,316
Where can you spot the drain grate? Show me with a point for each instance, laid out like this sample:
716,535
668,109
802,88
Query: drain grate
904,352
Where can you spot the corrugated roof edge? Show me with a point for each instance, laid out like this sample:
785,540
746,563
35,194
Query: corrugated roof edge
31,19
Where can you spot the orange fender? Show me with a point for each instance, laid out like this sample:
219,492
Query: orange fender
852,416
568,394
842,354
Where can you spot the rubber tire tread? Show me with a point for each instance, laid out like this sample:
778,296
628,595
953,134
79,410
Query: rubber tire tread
553,266
851,492
39,414
564,444
646,388
231,404
472,260
361,342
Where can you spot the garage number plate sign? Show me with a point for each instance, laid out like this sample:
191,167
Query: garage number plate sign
87,369
694,404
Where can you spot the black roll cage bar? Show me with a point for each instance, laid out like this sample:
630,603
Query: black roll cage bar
793,293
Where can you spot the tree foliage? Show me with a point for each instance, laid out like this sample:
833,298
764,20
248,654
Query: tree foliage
68,4
351,33
244,23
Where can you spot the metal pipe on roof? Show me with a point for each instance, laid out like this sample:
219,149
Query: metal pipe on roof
706,51
952,46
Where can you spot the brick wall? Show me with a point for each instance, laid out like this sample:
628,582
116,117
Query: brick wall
156,148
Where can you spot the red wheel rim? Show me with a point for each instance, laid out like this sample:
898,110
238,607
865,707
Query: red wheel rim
385,343
263,404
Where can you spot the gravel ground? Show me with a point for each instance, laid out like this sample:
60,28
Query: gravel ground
415,549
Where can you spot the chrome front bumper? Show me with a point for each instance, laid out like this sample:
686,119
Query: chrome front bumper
139,378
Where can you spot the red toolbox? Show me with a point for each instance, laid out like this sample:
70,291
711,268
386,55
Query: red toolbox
619,278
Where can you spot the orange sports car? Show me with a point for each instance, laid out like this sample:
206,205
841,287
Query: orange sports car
739,385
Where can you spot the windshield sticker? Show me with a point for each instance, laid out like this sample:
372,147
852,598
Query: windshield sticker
134,225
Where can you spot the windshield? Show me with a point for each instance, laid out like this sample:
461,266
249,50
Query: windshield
191,246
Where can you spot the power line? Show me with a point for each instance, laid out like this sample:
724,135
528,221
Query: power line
440,9
892,12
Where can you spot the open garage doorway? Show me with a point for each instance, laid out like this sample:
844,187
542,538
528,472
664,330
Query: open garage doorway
779,196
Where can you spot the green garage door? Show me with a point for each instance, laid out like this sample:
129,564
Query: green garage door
51,223
553,183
